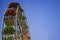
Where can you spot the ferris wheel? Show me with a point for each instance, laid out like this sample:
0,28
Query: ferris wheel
14,23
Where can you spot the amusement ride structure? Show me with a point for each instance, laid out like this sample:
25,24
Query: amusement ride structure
15,24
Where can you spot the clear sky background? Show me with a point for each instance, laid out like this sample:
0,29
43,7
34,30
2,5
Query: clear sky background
43,17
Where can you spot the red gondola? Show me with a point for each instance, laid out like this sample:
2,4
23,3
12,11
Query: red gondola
13,5
10,12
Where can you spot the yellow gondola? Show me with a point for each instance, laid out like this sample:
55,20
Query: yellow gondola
9,22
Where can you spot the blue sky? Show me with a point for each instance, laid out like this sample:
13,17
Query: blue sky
43,17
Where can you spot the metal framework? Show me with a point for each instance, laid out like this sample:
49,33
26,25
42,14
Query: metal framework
15,24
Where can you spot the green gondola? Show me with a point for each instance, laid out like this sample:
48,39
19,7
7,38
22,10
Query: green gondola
9,38
9,30
25,27
22,17
3,38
